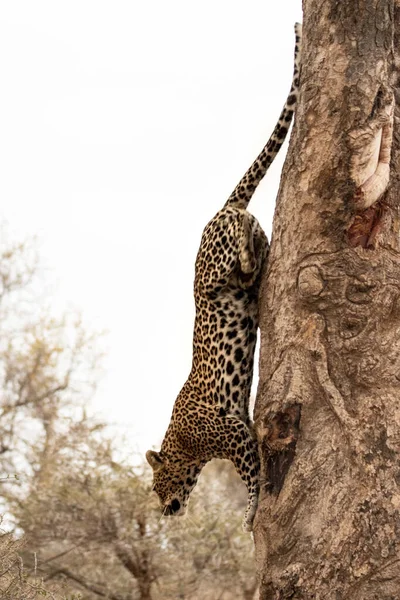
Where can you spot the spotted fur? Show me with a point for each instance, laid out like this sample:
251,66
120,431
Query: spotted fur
210,418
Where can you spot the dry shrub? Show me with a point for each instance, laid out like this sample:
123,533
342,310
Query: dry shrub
16,583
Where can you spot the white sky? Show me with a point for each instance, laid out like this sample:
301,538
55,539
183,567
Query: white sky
124,127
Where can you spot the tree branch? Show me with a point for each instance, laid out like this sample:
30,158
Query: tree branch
91,587
126,560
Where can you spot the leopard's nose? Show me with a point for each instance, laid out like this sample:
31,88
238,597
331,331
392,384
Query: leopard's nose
175,505
173,508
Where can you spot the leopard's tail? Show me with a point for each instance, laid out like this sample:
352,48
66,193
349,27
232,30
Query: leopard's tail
243,192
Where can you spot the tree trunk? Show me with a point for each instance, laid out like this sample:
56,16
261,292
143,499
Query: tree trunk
328,405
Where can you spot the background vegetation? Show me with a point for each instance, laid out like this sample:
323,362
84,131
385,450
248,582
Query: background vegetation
78,520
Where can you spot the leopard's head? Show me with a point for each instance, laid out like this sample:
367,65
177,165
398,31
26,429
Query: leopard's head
173,481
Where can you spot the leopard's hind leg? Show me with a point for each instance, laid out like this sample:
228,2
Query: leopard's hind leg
253,248
247,257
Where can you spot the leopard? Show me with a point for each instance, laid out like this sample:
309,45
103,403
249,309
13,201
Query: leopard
210,417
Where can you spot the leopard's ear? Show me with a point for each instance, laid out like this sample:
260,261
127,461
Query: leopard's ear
154,459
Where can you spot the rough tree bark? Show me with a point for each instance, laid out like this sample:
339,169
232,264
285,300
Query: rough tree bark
328,405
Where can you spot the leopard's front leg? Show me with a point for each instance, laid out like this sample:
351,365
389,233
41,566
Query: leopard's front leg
239,445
